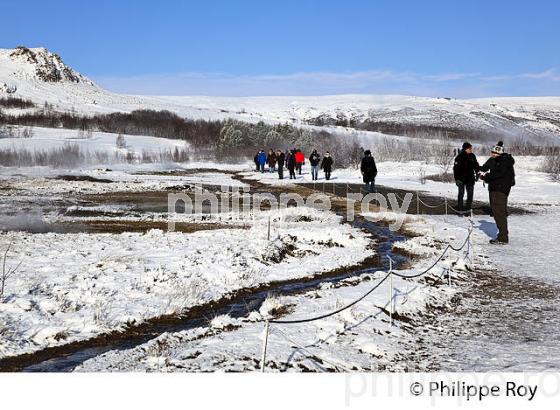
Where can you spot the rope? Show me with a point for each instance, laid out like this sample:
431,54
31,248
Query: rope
312,319
430,206
447,248
389,273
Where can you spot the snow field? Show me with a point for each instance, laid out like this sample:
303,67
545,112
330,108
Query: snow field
74,286
359,338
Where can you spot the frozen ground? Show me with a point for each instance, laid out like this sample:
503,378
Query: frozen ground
508,318
502,319
359,338
74,286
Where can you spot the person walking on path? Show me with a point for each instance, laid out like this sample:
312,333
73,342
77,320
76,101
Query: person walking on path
291,164
271,161
256,161
262,160
300,159
326,165
465,171
281,158
499,173
369,171
314,160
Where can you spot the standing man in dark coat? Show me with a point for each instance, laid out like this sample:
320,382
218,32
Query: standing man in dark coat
256,160
314,160
291,164
281,158
326,165
271,160
465,172
499,174
369,171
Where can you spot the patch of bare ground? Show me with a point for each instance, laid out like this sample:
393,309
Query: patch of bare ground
117,226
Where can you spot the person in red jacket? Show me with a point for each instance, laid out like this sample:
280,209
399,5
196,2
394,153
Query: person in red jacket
300,159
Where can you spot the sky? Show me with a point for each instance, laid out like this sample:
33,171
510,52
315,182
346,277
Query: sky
459,49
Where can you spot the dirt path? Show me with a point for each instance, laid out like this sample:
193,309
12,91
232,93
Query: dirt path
499,323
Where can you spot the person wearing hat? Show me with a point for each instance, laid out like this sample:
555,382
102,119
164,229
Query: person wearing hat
326,165
369,171
465,171
498,172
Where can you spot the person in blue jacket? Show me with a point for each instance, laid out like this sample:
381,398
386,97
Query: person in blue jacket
262,160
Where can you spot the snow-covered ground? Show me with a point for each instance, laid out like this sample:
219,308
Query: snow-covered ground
44,139
74,286
360,338
71,287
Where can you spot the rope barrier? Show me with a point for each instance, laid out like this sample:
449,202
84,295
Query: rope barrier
389,273
431,206
285,322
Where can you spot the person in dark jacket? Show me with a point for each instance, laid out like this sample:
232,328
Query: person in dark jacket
262,160
291,164
281,158
271,160
314,160
369,171
326,165
465,171
499,173
256,161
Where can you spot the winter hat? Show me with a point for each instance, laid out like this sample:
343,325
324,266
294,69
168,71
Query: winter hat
466,145
499,148
367,152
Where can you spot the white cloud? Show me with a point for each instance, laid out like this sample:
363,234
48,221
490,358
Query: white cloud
451,84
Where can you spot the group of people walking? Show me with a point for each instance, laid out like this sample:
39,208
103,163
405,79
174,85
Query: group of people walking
497,172
293,160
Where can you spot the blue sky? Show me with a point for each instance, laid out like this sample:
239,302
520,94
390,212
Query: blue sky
436,48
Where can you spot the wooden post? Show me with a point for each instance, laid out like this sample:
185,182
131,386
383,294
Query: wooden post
417,203
268,233
390,291
265,345
445,209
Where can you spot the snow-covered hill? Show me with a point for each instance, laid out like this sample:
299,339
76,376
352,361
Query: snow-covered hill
40,75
